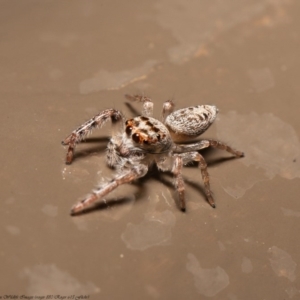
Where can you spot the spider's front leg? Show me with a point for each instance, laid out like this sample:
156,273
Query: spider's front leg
82,131
125,177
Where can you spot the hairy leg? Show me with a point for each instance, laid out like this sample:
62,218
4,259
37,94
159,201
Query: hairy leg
127,176
147,103
195,156
82,131
181,148
223,146
179,182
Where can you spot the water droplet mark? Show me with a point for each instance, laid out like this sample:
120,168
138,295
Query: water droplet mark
154,230
247,265
105,80
282,263
271,148
208,282
49,279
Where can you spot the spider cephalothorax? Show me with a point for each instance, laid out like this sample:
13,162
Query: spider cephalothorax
138,143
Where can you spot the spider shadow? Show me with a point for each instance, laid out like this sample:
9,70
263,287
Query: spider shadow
100,148
132,109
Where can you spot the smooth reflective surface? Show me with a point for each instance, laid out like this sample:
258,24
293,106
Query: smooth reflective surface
62,62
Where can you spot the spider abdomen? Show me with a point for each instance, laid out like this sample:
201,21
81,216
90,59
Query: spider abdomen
188,123
149,134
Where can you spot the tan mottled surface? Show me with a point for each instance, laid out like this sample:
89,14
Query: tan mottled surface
63,61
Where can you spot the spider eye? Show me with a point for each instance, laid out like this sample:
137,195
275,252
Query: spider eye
136,137
128,130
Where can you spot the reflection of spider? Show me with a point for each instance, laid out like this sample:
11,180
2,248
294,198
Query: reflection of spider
138,143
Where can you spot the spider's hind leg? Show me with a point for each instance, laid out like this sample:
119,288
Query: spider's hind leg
179,182
82,131
182,148
223,146
195,156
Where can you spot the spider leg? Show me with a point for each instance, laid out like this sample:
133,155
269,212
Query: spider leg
82,131
181,148
179,182
125,177
195,156
147,103
168,108
223,146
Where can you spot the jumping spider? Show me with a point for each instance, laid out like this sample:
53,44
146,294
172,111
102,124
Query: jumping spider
139,142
